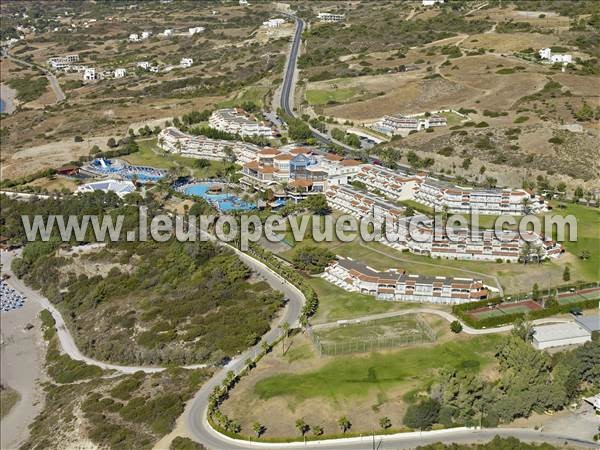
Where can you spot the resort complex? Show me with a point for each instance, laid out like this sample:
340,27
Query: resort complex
271,225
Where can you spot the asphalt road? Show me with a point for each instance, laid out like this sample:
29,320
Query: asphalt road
289,84
58,92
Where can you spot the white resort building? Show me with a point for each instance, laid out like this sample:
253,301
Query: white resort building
62,62
439,194
419,235
397,285
237,121
399,124
121,188
330,17
173,140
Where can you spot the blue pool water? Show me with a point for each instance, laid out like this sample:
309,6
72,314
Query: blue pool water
225,202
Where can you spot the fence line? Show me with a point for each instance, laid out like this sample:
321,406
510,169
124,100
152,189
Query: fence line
426,335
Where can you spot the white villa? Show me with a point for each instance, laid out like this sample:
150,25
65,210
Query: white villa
563,58
237,121
397,285
120,73
195,30
273,23
134,37
432,2
121,188
330,17
186,62
89,74
168,32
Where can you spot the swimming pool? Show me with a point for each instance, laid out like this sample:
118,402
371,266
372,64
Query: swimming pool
224,202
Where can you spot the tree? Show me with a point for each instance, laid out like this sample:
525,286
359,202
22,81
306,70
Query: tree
344,424
302,427
422,415
523,329
312,259
566,274
258,429
456,326
317,430
111,142
317,204
265,347
535,292
201,163
78,139
385,423
578,192
584,254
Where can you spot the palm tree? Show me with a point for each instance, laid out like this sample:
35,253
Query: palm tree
585,254
317,430
526,203
526,252
258,429
344,424
265,346
302,427
385,423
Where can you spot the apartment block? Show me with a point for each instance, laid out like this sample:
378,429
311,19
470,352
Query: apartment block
237,121
330,17
397,285
173,140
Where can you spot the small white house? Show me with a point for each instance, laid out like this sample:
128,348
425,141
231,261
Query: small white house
564,58
168,32
195,30
431,2
143,65
89,74
244,3
186,62
146,34
273,23
134,37
120,72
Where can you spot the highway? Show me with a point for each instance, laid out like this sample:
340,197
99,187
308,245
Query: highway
289,84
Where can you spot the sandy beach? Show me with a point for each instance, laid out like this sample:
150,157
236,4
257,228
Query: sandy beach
21,358
8,98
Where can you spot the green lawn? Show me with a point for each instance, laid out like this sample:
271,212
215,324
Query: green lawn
324,96
254,94
588,238
345,377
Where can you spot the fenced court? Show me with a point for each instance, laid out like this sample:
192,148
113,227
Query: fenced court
503,309
372,336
